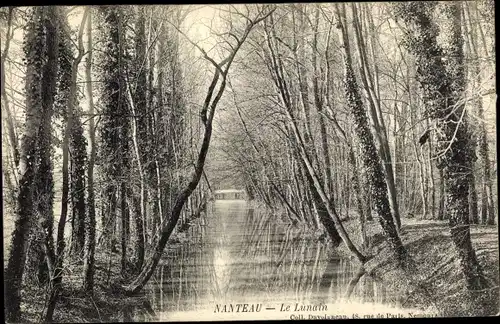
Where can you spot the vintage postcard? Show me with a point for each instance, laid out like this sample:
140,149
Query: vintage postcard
292,161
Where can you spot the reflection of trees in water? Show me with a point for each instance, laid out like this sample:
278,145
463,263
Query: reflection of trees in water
335,281
288,263
368,289
180,279
221,272
246,254
330,279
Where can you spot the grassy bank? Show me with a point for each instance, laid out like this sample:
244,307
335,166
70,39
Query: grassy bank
437,282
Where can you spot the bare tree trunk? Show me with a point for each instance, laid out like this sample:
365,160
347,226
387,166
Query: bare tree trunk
442,197
322,210
432,189
123,149
90,223
370,157
370,84
356,182
473,205
139,207
139,229
475,129
421,169
139,134
487,205
318,100
486,11
124,209
303,85
6,109
396,155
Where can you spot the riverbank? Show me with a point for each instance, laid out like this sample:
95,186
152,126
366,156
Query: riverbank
428,243
437,282
108,303
436,285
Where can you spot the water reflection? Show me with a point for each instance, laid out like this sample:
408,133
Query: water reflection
240,255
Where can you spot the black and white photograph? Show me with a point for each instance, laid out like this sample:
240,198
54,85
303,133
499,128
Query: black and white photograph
249,161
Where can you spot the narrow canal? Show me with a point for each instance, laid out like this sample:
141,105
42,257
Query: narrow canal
239,255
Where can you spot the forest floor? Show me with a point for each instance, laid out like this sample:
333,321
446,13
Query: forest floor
108,303
436,282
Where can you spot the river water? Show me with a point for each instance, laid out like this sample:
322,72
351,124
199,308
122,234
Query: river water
238,255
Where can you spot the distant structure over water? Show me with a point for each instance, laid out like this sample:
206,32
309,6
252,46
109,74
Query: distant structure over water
230,194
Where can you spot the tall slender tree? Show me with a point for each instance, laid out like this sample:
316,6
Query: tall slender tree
370,157
90,221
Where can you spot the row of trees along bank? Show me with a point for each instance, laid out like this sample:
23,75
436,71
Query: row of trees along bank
110,129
